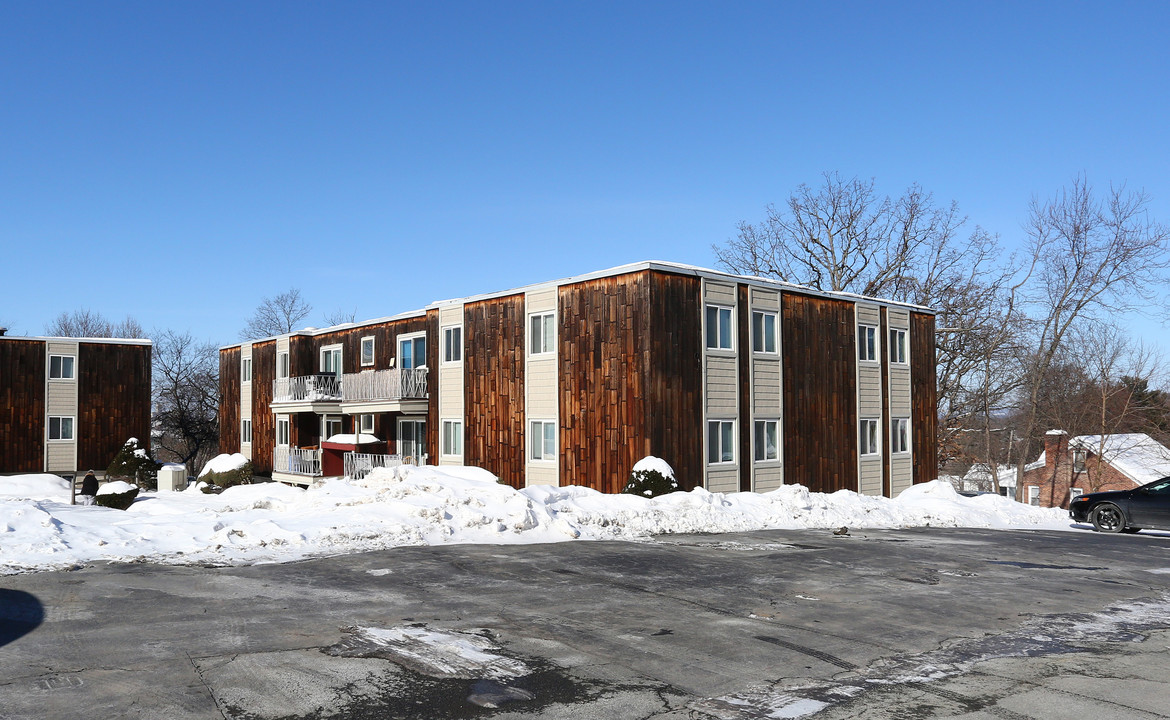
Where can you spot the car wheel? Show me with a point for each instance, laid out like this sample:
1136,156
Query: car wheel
1107,517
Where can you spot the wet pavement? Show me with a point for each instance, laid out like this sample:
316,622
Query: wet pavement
874,624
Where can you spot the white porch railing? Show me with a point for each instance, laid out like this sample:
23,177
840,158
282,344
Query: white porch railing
307,388
394,384
358,465
298,461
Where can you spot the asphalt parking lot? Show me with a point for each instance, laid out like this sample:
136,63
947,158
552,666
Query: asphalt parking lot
875,624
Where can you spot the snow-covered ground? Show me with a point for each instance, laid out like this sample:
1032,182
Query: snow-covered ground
271,522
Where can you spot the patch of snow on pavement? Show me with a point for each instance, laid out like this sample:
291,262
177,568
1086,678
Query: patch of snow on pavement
432,652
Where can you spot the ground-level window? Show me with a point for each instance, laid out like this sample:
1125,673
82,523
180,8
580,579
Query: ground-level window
897,346
542,440
452,438
60,428
866,342
869,437
720,441
246,432
367,424
282,365
282,431
368,350
719,336
1075,493
541,333
1033,494
763,331
246,370
767,440
453,344
900,435
61,367
412,438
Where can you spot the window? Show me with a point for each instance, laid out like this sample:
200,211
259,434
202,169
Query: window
246,432
282,431
367,424
542,333
898,346
282,365
412,352
246,370
1078,460
767,440
869,437
453,344
331,360
452,438
60,367
718,328
1075,493
542,440
1033,494
720,441
763,332
867,342
900,435
367,351
330,426
60,428
412,438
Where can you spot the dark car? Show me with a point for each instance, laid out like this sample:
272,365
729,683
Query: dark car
1147,506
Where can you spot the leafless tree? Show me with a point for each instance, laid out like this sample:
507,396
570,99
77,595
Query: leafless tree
340,317
276,315
89,323
186,399
1094,256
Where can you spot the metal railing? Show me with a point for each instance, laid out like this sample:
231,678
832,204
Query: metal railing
307,388
358,465
298,461
394,384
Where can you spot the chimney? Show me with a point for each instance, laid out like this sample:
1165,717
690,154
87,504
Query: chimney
1055,445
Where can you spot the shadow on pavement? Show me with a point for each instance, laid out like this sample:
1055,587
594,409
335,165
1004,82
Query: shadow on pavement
20,614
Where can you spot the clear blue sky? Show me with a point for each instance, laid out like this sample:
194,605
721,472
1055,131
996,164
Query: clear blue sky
177,162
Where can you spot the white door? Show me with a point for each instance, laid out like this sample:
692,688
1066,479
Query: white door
412,438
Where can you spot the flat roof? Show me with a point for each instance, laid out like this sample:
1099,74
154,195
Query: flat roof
106,341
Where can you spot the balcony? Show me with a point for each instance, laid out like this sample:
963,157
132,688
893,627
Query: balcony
308,393
304,463
358,465
394,390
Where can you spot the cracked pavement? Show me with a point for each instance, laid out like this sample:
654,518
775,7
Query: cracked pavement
878,624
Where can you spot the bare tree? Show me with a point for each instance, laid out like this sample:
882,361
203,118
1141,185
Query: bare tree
89,323
341,317
1094,256
186,398
276,316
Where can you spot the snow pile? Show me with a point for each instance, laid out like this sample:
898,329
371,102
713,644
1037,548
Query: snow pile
224,463
651,463
115,487
409,505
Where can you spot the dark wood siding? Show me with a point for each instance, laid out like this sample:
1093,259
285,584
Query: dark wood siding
302,356
887,433
22,406
820,393
113,400
923,397
432,324
674,409
494,387
746,458
229,400
263,421
604,351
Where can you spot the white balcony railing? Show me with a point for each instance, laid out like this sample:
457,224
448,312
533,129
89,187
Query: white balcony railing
358,465
394,384
298,461
307,388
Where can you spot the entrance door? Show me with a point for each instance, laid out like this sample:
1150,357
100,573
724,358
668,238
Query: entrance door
412,439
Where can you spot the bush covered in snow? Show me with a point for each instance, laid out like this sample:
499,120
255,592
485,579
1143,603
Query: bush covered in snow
117,495
651,477
225,471
134,465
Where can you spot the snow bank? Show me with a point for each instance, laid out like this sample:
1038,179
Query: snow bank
408,505
115,487
224,463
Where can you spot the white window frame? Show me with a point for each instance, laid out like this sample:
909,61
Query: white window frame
337,349
452,344
61,375
760,449
420,442
538,441
363,426
415,363
64,422
899,436
542,333
898,349
767,319
246,431
1034,495
364,361
715,445
1079,456
282,365
1075,492
719,323
246,370
326,421
452,440
866,333
869,437
282,432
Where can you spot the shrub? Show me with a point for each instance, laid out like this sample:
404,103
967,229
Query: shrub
117,501
134,465
226,479
650,478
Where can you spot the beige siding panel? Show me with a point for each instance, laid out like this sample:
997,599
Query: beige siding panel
723,478
61,398
451,315
868,314
869,390
61,456
541,385
898,318
541,381
61,347
765,387
451,391
901,473
281,344
719,293
722,395
765,300
871,475
899,391
541,300
246,398
768,477
542,474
